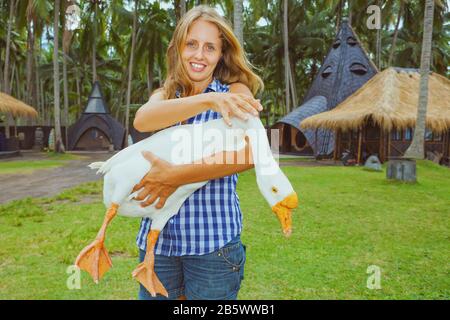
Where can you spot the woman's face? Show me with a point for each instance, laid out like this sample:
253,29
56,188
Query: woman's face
202,51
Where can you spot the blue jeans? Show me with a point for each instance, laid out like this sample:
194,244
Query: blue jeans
213,276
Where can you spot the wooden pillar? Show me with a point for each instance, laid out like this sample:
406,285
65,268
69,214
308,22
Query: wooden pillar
359,145
389,145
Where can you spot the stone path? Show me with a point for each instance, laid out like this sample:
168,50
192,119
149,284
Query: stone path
48,182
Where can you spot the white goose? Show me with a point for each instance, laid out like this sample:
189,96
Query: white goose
126,169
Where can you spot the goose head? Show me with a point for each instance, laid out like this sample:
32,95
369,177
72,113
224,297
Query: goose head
278,192
272,182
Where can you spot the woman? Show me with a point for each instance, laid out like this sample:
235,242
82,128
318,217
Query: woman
199,254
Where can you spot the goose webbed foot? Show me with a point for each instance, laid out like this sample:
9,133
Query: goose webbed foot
145,271
94,258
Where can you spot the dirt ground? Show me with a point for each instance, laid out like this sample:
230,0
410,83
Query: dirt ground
51,181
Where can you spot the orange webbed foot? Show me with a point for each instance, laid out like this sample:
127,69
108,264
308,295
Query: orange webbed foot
145,274
95,260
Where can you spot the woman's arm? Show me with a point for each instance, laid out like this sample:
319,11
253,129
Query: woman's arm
159,112
163,178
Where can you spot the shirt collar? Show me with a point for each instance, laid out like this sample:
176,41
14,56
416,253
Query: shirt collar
213,86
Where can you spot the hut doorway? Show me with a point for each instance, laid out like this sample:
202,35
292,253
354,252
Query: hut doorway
93,139
299,142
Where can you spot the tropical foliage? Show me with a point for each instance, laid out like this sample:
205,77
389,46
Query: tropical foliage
106,27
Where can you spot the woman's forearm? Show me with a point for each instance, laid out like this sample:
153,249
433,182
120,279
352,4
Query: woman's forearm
219,165
159,114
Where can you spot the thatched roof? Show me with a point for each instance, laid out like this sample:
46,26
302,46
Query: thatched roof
15,107
390,99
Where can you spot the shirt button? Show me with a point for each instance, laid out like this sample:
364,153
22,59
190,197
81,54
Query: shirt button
171,221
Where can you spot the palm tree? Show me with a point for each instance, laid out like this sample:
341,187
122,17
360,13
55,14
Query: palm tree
286,53
59,146
67,36
238,23
6,82
394,38
182,7
416,149
130,69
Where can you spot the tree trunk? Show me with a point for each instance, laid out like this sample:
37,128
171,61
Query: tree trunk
150,78
292,82
78,92
286,53
6,87
43,110
394,40
182,7
338,15
238,23
350,13
416,149
94,63
37,91
66,99
379,41
30,50
130,71
59,146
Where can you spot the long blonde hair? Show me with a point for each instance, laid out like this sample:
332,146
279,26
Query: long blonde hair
232,67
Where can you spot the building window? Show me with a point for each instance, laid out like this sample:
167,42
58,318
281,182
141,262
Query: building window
408,134
428,135
437,137
396,135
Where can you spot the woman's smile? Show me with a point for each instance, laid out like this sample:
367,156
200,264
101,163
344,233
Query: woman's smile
197,67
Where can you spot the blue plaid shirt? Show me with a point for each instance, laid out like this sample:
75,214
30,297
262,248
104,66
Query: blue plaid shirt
209,219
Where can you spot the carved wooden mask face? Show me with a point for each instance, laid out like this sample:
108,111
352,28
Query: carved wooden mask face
345,69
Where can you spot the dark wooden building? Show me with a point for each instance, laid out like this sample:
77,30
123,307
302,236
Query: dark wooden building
380,117
96,129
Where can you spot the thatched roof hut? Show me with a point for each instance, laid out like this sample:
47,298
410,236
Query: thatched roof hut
345,69
15,107
379,118
390,99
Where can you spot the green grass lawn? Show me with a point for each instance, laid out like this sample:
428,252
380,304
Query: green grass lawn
51,160
348,220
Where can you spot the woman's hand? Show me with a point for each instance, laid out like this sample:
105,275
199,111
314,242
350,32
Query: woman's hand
157,182
234,105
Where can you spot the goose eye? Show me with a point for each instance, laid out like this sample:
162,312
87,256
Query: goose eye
274,190
358,68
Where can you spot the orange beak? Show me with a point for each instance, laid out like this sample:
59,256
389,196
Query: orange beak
283,211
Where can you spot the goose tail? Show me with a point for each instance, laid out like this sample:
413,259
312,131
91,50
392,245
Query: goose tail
97,166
